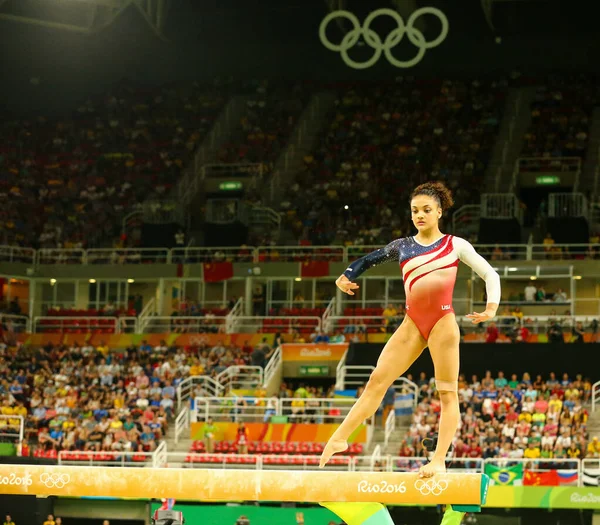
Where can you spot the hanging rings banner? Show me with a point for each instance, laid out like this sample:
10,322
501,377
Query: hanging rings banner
373,40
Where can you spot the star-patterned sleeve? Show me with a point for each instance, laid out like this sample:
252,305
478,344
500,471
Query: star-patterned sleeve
389,253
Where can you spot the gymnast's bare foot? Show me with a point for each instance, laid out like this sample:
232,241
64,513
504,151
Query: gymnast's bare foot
435,466
334,446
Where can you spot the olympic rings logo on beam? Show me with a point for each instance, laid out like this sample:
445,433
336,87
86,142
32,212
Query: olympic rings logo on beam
55,480
431,486
393,38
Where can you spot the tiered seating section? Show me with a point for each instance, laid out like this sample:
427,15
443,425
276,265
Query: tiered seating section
560,117
66,180
287,453
511,418
383,140
296,318
82,321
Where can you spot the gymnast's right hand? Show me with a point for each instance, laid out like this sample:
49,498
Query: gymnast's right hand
346,285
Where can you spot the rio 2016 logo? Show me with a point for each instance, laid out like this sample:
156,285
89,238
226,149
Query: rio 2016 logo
13,479
383,487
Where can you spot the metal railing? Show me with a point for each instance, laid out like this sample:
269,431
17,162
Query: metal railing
390,426
241,377
595,395
17,254
274,323
76,324
260,461
353,376
182,423
259,409
549,164
197,386
272,366
253,254
184,324
195,254
12,431
15,323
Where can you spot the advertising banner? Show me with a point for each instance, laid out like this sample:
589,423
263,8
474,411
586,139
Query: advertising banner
278,432
125,340
311,352
544,497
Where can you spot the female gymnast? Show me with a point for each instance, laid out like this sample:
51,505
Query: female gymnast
429,263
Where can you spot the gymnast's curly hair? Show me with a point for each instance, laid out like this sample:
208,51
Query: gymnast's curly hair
436,190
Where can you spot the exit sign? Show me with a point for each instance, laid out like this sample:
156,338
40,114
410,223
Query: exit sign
230,186
314,371
547,180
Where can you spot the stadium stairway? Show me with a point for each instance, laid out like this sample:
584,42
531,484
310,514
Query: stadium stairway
303,140
593,425
393,446
509,142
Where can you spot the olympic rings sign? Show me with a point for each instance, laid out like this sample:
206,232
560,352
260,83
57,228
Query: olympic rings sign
431,486
374,40
55,480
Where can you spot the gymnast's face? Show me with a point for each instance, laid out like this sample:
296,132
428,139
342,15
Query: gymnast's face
425,212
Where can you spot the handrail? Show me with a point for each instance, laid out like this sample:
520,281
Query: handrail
159,456
182,423
122,456
375,456
272,365
595,395
340,372
257,254
20,434
184,389
19,321
390,426
74,323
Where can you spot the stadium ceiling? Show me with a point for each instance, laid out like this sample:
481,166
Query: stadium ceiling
82,16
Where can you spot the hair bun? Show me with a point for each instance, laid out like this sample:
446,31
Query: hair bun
438,191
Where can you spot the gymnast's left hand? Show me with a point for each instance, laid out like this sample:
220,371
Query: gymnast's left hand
477,318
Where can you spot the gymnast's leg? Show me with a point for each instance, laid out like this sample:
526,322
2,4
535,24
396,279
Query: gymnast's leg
405,345
443,346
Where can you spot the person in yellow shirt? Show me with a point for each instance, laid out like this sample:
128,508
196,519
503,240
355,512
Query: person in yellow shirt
116,424
103,349
196,369
50,520
555,402
8,520
573,451
593,448
532,452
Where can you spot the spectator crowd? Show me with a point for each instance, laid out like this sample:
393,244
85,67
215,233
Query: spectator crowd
510,418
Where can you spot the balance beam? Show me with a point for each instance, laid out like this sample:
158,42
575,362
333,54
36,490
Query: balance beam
242,485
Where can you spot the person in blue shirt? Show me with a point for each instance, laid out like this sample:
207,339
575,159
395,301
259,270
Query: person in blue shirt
168,389
145,347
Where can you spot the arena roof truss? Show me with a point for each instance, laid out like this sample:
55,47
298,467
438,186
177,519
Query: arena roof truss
82,16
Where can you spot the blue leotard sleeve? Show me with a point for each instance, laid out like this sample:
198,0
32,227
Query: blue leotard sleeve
389,253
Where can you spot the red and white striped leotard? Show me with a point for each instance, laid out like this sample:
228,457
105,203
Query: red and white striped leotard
429,274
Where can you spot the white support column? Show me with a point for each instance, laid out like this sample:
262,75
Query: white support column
248,297
314,293
31,305
161,297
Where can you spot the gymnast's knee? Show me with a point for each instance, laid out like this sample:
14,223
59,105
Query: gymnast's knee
443,387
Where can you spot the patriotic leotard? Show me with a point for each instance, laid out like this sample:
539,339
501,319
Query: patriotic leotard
429,273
